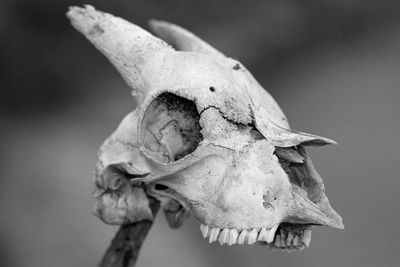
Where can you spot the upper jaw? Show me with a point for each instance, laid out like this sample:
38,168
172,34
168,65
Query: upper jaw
285,236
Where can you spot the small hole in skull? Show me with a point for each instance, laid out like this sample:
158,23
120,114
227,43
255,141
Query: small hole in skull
160,187
170,128
212,89
256,134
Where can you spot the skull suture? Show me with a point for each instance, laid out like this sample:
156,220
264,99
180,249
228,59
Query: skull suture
205,138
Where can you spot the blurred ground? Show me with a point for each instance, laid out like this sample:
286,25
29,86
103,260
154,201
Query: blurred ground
334,67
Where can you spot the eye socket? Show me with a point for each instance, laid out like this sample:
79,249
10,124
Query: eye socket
170,128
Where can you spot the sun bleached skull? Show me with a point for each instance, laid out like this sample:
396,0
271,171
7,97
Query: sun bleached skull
205,138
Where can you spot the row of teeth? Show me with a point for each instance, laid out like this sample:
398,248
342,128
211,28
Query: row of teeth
232,236
292,240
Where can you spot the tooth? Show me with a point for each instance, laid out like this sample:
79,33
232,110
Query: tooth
283,240
214,235
296,242
266,235
121,203
277,242
242,237
223,237
289,239
252,236
233,236
306,239
271,234
204,230
262,235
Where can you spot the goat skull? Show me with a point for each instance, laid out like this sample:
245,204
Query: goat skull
205,138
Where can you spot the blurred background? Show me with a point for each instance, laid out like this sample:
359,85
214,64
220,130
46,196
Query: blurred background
332,65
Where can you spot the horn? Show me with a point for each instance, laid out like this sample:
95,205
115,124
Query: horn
127,46
181,39
305,212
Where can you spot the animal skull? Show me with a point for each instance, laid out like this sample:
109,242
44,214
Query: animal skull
205,138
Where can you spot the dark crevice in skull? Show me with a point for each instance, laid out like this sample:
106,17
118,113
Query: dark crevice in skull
207,108
115,176
307,188
255,133
171,128
160,187
174,211
230,120
302,182
292,227
291,235
166,196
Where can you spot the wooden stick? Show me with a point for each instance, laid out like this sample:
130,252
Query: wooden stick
125,247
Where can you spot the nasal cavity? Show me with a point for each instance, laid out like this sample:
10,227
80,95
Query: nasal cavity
170,128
